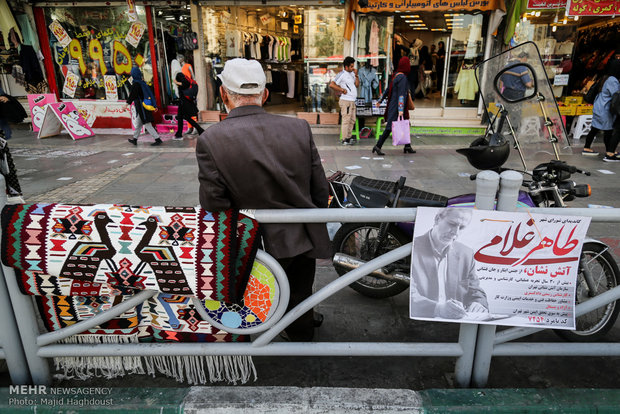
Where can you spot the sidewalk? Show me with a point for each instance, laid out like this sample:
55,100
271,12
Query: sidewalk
107,169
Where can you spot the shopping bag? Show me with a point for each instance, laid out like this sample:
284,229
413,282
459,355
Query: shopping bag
400,132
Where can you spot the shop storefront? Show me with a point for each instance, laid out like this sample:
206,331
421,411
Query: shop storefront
90,55
444,41
21,70
576,43
298,44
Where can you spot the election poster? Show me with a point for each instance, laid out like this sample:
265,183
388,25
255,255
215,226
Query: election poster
61,115
37,103
495,267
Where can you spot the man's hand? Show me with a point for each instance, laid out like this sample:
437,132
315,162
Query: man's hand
4,99
477,307
451,309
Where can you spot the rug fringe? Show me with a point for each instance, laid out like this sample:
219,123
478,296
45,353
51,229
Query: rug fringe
189,368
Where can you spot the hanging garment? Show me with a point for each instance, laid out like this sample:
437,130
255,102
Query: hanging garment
188,71
362,34
29,62
290,75
175,67
369,81
466,85
29,35
7,22
373,43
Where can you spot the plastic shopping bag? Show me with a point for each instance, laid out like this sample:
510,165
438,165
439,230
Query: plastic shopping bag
400,132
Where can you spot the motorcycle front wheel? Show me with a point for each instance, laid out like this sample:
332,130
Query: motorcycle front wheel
358,240
594,325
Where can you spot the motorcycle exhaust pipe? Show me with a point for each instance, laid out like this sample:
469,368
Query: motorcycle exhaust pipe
349,263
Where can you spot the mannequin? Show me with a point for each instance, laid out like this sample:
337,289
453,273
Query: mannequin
175,67
414,61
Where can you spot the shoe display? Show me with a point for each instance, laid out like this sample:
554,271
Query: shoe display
589,153
156,143
409,150
611,158
133,141
377,150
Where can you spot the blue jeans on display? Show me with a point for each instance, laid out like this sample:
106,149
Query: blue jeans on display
317,91
4,126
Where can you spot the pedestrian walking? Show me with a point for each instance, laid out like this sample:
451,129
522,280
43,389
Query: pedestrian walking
257,160
144,103
188,90
398,105
346,83
602,117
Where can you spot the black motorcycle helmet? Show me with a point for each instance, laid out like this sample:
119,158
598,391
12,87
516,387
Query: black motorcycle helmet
486,154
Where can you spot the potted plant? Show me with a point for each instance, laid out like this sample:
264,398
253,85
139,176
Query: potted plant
331,117
308,116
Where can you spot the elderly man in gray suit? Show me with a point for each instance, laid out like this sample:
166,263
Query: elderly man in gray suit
444,282
256,160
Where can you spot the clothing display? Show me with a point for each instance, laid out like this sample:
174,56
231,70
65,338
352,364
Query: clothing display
466,85
373,43
369,81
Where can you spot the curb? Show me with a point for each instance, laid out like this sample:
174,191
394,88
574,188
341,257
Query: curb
233,400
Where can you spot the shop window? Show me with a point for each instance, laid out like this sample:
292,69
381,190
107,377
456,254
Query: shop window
555,47
271,35
91,46
467,50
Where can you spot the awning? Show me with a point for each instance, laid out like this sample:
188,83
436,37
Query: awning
378,6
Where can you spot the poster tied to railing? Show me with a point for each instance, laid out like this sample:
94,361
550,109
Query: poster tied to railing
495,267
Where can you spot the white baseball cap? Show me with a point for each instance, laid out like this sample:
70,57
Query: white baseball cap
245,77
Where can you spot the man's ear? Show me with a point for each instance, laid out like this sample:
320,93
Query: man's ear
224,95
265,95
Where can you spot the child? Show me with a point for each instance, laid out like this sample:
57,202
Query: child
140,90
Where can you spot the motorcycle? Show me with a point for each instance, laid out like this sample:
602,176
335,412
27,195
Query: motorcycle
548,184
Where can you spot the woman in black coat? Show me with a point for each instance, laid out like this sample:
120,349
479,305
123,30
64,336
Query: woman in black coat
187,107
397,104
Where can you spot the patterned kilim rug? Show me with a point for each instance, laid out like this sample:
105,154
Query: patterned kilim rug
79,260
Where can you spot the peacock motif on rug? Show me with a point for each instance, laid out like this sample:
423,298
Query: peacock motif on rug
80,260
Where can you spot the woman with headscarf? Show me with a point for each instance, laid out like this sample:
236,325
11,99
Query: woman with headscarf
396,95
188,89
602,117
138,93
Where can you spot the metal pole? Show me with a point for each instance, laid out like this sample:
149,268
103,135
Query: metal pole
465,363
507,201
28,329
12,350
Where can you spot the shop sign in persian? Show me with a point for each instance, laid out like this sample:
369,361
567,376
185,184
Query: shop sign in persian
71,83
111,90
37,103
545,4
428,5
135,32
61,115
593,7
500,268
60,33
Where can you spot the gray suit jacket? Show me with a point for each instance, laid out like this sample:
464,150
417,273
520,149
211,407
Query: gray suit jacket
256,160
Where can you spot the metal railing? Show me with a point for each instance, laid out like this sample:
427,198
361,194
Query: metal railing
476,344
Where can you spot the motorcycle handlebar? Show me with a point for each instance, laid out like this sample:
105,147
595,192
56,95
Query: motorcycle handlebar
562,166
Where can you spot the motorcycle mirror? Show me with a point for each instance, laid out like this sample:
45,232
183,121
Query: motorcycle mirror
516,82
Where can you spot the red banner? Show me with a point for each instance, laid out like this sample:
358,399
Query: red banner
545,4
593,7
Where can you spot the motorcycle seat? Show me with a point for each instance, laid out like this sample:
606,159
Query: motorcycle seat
378,193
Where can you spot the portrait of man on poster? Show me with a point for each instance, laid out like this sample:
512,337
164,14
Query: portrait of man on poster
444,283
